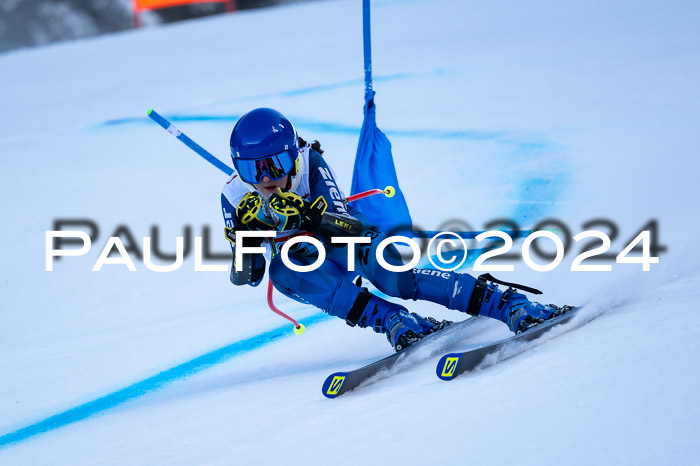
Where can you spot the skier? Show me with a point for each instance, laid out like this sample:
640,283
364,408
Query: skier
284,184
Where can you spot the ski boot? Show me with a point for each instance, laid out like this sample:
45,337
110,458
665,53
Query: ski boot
402,328
511,307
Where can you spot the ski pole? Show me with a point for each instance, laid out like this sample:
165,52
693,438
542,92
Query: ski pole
298,328
389,191
170,128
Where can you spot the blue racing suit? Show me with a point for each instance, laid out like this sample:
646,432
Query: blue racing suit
330,287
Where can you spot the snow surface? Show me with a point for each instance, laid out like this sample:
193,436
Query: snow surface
571,110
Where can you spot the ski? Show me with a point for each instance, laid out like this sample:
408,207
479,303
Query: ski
340,383
453,364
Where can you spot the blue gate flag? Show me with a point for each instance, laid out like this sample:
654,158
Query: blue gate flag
374,168
374,164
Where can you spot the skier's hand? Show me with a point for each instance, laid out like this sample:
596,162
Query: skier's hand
294,213
250,214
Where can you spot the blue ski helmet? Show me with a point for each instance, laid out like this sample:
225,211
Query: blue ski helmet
264,143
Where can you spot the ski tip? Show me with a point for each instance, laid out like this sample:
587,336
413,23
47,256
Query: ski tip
447,366
333,385
150,110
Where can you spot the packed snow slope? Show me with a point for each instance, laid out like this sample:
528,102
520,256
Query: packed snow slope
546,109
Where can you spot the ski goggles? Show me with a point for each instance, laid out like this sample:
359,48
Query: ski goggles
274,167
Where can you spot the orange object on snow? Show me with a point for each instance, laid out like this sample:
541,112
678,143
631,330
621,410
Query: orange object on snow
155,4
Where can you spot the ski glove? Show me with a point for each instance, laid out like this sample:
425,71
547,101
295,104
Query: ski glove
251,214
295,214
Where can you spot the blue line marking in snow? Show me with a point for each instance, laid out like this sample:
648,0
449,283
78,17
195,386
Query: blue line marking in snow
191,118
293,93
359,83
154,383
503,137
326,127
537,195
